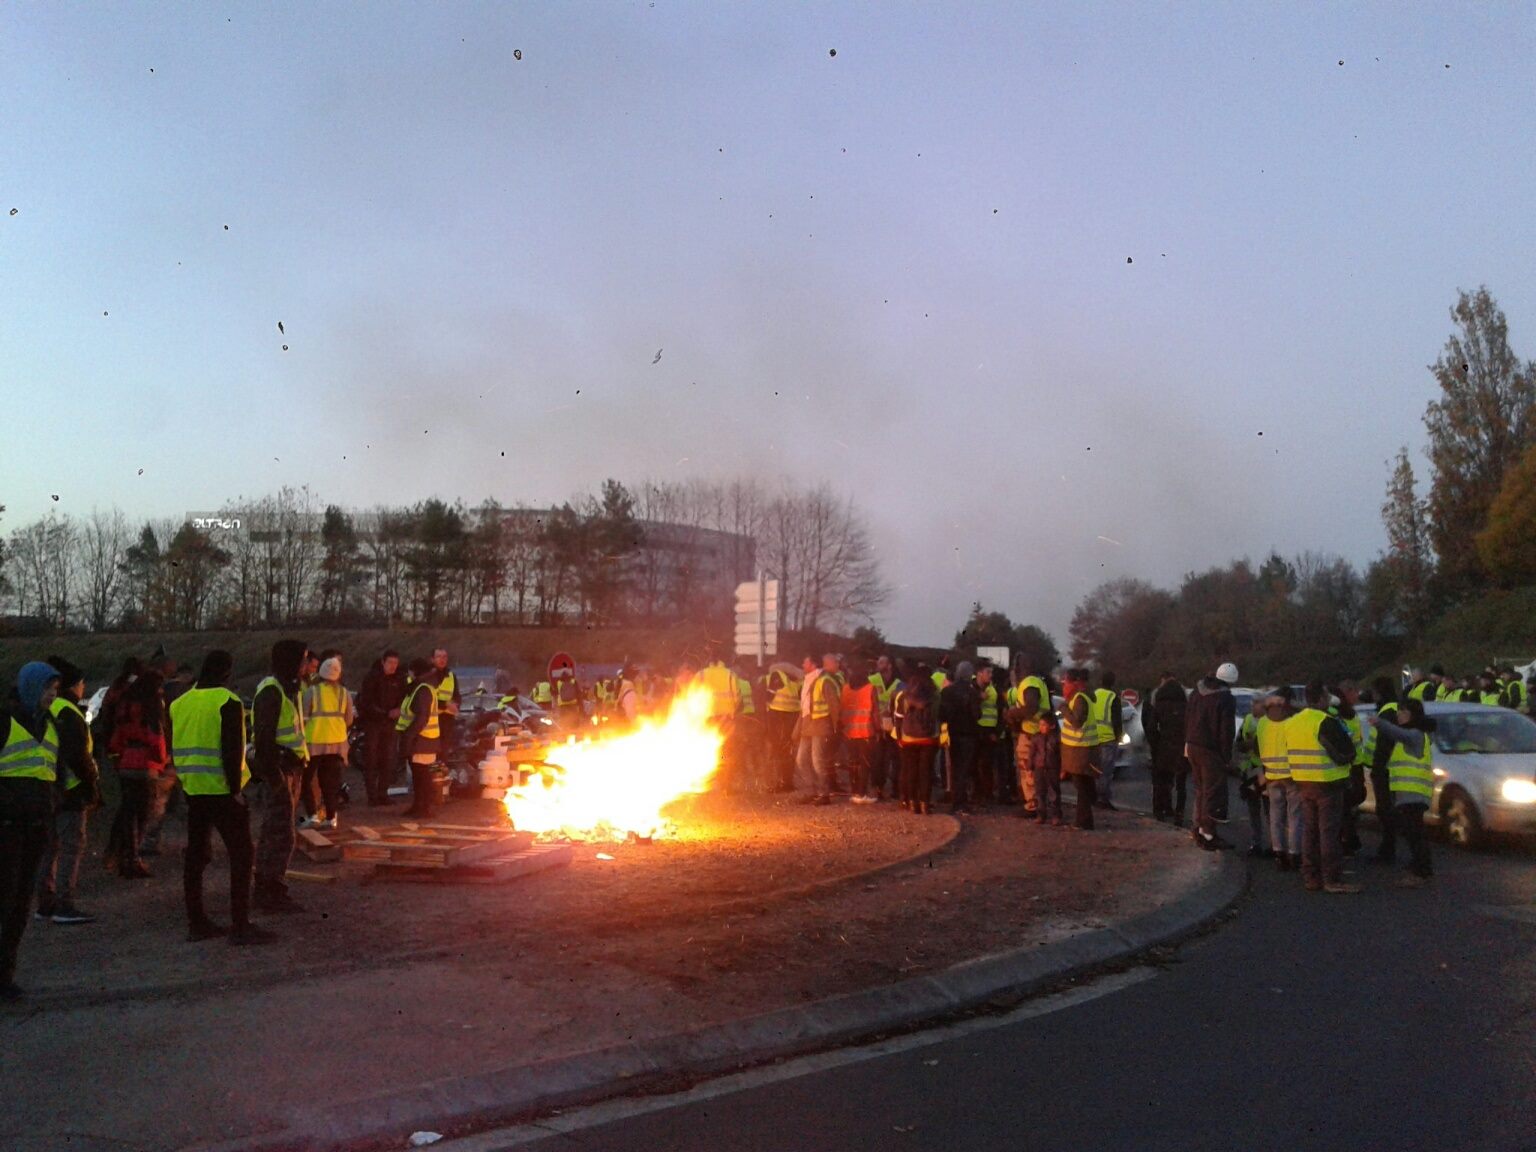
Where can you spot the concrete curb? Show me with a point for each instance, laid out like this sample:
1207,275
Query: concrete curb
490,1099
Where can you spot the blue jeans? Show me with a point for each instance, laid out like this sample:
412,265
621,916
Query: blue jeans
823,762
1284,816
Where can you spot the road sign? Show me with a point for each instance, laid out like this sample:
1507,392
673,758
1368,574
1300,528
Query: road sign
751,649
747,594
561,666
997,656
757,618
1131,697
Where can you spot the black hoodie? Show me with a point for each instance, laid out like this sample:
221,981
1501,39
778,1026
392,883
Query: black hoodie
1210,719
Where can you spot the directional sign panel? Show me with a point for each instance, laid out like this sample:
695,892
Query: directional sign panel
757,618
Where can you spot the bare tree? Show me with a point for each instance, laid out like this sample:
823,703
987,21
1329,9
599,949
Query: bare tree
43,556
102,543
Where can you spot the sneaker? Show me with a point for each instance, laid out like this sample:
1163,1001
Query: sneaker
1342,889
329,825
251,934
71,915
205,929
44,912
309,822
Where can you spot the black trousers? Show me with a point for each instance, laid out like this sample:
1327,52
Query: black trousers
1410,821
1170,778
379,764
23,842
781,748
128,824
1386,819
962,770
229,817
1087,790
917,773
326,771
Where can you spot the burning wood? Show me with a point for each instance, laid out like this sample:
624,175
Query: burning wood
613,787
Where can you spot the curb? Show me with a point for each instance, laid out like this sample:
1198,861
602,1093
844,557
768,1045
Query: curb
495,1098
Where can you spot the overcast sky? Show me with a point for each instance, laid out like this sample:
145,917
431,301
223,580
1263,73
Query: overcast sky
1029,282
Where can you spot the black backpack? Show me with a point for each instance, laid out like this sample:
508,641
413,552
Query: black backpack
919,721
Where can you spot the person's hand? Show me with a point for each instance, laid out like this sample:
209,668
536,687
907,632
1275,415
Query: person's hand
1374,717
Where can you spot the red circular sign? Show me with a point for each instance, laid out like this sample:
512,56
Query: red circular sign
1131,697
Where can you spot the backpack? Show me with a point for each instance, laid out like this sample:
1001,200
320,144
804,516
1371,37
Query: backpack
919,721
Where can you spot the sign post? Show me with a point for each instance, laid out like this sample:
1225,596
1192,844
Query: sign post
757,618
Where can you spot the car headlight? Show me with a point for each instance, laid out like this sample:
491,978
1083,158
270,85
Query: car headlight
1519,791
1125,738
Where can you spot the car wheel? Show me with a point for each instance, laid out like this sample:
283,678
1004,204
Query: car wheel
1463,826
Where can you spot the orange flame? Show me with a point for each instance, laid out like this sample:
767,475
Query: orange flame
610,787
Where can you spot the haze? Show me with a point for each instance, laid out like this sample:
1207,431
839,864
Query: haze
1057,295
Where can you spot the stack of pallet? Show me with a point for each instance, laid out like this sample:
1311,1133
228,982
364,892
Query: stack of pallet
451,853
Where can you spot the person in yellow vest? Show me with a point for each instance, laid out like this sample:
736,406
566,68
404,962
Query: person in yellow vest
915,711
446,685
820,727
206,731
859,720
1347,692
27,774
1411,776
1420,686
281,757
988,737
887,768
749,727
1320,752
77,794
569,712
328,720
626,697
1251,773
782,687
942,771
1037,753
1079,739
1110,725
544,695
420,738
724,703
1275,772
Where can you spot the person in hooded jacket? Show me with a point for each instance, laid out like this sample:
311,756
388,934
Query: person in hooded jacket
277,736
1162,719
142,755
1210,724
78,794
378,707
27,775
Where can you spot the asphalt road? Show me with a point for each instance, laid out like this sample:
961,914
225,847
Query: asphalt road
1394,1018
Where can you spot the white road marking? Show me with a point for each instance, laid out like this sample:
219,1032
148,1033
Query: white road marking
610,1111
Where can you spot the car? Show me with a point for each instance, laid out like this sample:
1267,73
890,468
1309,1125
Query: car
1484,761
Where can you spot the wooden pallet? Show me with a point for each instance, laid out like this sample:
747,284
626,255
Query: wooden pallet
492,870
429,846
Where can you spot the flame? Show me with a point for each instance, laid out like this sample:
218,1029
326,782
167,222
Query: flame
610,787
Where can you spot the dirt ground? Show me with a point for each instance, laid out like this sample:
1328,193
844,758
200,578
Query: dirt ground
759,904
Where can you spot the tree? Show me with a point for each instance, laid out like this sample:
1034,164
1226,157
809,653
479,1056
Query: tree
868,642
1404,582
610,536
141,566
1117,626
437,555
1025,642
342,567
1480,426
193,563
103,543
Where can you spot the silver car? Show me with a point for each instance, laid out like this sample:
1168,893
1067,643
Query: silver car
1484,762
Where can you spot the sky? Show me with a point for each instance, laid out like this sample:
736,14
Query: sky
1056,293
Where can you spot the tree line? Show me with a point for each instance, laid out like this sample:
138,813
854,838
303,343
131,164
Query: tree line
653,553
1465,542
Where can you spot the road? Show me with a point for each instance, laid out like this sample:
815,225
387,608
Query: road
1394,1018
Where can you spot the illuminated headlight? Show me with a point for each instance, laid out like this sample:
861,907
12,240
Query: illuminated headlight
546,720
1439,772
1125,738
1519,791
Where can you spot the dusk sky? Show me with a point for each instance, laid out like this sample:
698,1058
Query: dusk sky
1055,293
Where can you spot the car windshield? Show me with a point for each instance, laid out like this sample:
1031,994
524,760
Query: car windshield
1486,732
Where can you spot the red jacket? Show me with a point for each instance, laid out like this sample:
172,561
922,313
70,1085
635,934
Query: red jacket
138,749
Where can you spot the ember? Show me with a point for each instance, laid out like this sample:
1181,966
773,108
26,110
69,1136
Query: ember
615,787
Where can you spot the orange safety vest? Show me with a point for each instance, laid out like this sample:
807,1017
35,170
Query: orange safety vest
858,712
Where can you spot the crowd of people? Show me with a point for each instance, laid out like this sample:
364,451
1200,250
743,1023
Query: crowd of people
968,734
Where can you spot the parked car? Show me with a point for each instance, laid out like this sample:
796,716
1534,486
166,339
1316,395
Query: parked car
1484,761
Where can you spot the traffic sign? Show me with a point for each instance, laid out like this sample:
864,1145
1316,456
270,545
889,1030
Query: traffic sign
1131,697
757,618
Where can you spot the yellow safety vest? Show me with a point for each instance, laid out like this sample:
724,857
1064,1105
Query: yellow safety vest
1071,735
1042,721
1309,761
786,697
721,682
988,707
445,689
1412,777
567,693
60,705
23,756
1273,754
744,690
196,733
429,730
1418,690
1248,733
1104,722
820,709
290,719
325,713
542,693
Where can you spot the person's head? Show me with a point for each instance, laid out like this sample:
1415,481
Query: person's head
1383,691
185,672
858,673
1486,680
1349,692
440,658
1437,671
421,666
984,675
964,670
944,662
36,686
808,663
147,692
132,666
1277,705
884,666
1024,665
830,662
1260,705
71,678
1165,677
311,666
1106,679
288,657
390,661
923,671
216,668
1411,714
1317,694
1416,675
1227,674
330,669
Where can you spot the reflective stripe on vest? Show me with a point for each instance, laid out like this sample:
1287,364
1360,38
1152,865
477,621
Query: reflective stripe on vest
196,733
325,713
1071,735
858,713
744,690
820,709
1103,721
786,697
61,705
542,693
429,730
1042,720
1309,761
988,707
445,689
23,756
1270,735
1410,775
290,719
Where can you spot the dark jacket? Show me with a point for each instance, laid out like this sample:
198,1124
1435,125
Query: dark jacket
1210,719
76,762
960,708
381,694
1163,719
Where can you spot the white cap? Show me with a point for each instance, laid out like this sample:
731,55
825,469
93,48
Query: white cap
1227,673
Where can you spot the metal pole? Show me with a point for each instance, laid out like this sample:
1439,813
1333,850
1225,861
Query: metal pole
762,608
